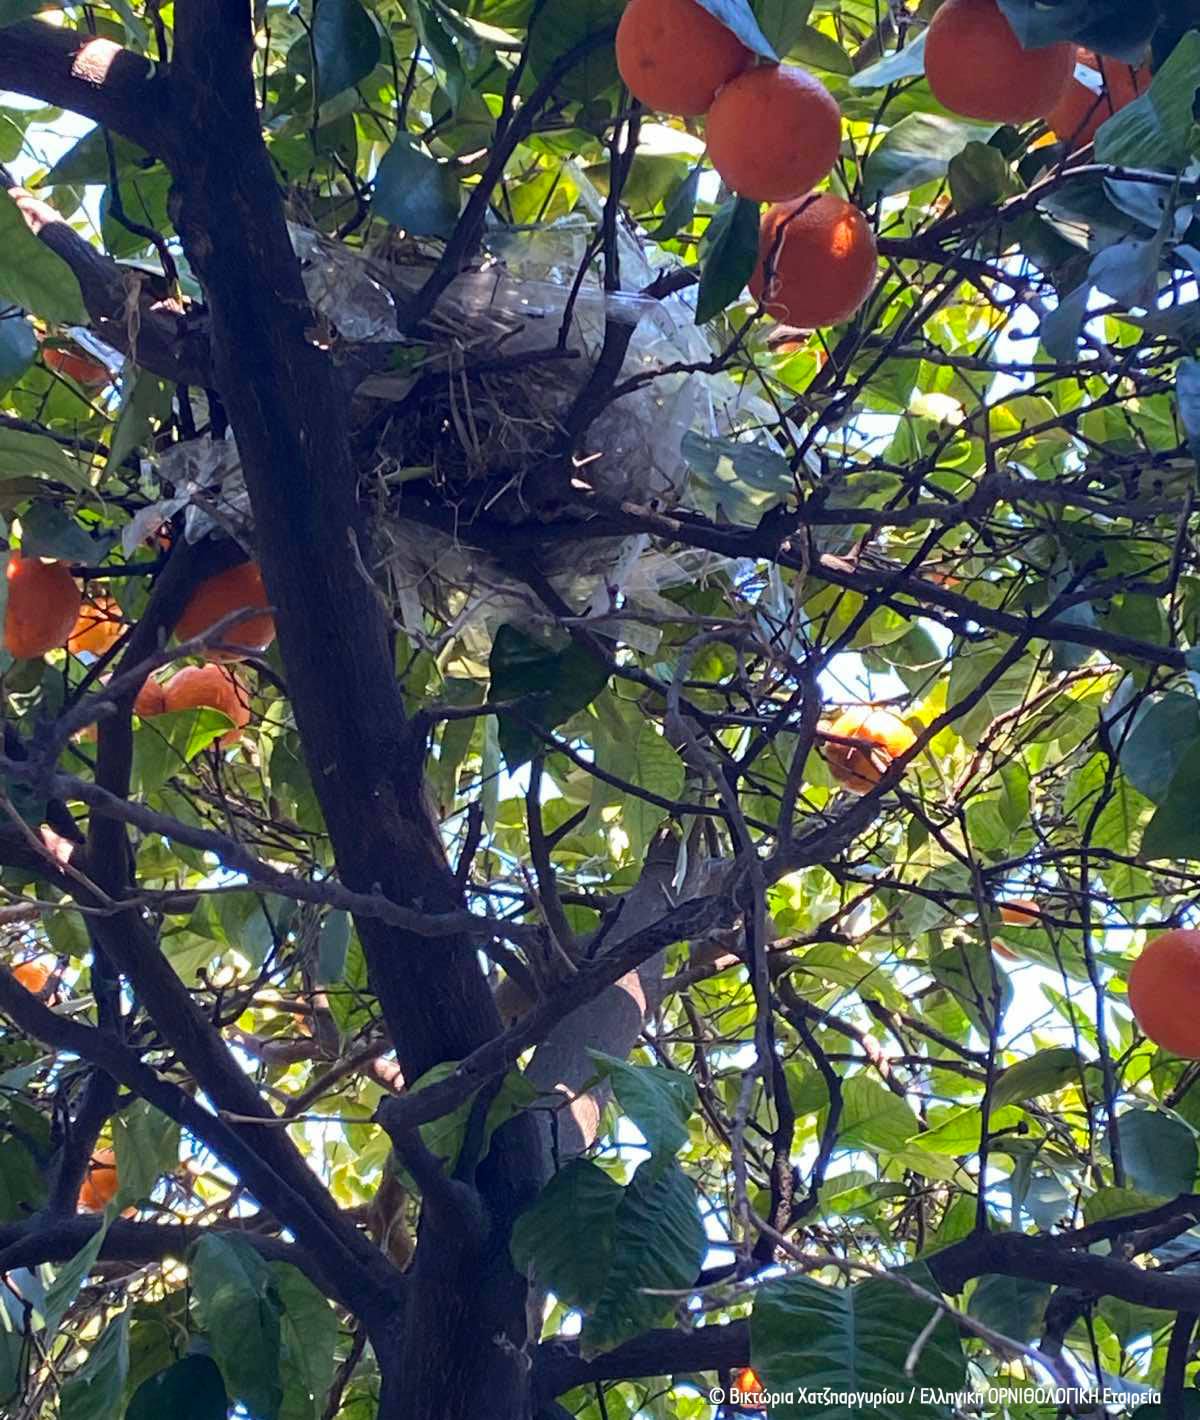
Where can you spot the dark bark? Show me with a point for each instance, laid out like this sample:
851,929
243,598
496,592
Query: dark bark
456,1348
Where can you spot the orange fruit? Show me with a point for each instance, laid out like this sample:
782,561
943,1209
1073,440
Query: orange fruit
1164,992
98,626
72,362
1081,110
860,768
819,261
43,604
32,975
749,1387
976,66
211,687
151,700
674,56
774,132
1020,912
99,1186
235,589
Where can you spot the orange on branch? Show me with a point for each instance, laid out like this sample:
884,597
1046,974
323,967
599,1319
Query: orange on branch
1020,912
674,56
1081,110
774,132
860,767
213,688
818,261
749,1387
32,975
151,700
1164,992
43,605
98,626
976,66
236,589
99,1186
72,362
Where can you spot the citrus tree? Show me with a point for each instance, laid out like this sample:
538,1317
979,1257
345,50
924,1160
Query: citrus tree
602,636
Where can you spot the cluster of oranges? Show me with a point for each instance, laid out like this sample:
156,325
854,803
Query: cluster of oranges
818,259
976,66
46,608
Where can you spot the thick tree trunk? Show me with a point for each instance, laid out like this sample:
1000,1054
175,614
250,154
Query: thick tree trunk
457,1349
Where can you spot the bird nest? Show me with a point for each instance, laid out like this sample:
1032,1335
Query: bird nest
466,424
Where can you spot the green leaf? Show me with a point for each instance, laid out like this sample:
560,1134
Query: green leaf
70,1277
681,208
658,769
24,455
1174,831
18,346
191,1389
310,1333
1155,130
736,15
95,1391
1187,393
1042,1073
166,744
730,256
783,22
563,25
332,946
13,11
548,687
1011,1305
658,1242
345,44
147,1146
873,1117
916,151
1110,26
659,1101
443,1137
906,63
970,972
814,47
240,1310
1158,1151
805,1336
145,402
1160,740
736,482
22,1188
581,1200
31,275
47,530
1108,1203
979,177
415,191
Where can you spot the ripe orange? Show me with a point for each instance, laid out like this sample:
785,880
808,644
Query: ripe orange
861,768
1164,991
1081,110
99,1186
213,687
43,603
98,626
674,56
72,362
749,1387
819,261
976,66
151,700
1020,912
32,975
774,132
236,589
